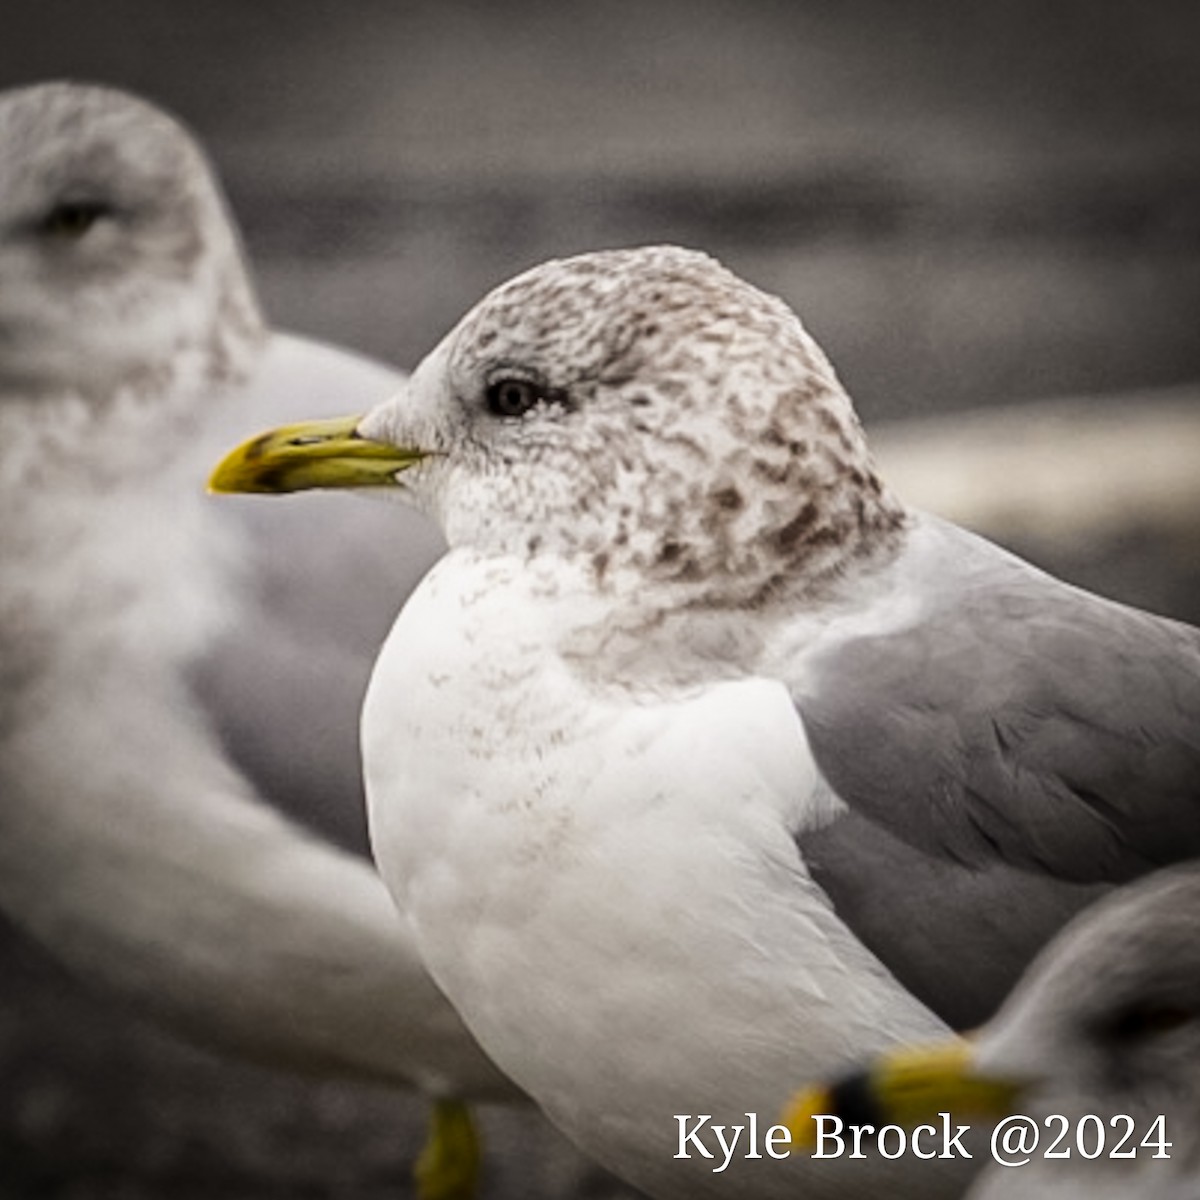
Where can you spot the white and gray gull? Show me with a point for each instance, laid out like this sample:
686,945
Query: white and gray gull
166,682
700,760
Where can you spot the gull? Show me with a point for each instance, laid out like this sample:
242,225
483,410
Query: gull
1099,1043
700,759
163,685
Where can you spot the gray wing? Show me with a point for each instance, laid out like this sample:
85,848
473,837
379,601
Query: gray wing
1014,720
318,582
958,938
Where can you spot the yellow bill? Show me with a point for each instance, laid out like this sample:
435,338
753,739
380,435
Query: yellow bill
314,454
905,1087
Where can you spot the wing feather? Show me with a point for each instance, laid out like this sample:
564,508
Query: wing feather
1013,718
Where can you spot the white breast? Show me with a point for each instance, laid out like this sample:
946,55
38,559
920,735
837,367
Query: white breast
604,881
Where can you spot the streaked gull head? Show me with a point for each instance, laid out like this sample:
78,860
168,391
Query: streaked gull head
645,413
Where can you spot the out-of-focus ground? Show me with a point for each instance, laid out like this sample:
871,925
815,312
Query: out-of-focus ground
969,204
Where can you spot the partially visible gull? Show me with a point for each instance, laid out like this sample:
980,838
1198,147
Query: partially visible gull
132,845
1099,1043
700,761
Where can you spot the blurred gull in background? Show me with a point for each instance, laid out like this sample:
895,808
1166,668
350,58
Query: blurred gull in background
151,640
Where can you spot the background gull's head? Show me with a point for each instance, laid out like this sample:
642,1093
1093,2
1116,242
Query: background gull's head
1110,1012
648,412
1103,1026
120,275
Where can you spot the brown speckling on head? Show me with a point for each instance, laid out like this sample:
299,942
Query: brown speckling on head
707,445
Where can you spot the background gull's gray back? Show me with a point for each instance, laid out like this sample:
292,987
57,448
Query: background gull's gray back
968,204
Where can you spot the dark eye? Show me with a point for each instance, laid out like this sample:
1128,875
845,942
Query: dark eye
72,219
513,397
1148,1020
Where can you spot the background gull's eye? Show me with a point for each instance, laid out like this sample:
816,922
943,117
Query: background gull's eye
73,218
1146,1020
513,397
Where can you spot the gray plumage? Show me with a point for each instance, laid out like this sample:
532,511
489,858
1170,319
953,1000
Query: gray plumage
1014,743
1015,717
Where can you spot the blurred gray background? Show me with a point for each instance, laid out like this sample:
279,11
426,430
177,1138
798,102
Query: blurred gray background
967,203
